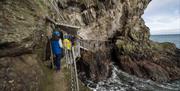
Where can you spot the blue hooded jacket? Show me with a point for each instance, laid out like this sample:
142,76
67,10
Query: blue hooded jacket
56,49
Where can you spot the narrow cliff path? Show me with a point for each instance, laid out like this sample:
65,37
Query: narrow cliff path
62,79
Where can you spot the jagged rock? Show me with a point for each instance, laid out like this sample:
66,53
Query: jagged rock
21,39
95,66
120,21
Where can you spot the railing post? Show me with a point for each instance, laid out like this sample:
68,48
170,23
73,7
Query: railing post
74,62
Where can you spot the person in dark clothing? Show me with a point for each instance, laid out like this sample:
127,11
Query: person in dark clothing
56,46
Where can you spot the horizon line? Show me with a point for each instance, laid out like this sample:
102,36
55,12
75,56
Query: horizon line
167,34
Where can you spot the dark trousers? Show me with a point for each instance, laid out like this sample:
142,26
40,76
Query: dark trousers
57,61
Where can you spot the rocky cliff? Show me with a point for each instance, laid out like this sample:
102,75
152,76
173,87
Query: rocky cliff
23,30
120,22
21,44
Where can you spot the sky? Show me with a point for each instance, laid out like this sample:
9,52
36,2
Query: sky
163,17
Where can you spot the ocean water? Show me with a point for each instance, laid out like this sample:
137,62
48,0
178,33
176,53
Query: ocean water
173,38
122,81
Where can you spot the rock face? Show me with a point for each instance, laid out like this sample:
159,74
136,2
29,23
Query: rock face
22,26
120,21
113,20
160,62
20,73
21,29
95,66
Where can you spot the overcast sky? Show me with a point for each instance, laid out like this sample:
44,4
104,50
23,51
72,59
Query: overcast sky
163,16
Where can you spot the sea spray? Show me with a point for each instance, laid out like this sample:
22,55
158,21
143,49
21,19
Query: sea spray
121,81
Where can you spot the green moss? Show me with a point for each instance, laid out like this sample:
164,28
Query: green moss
47,83
67,74
83,87
43,6
124,46
167,45
163,46
129,47
156,47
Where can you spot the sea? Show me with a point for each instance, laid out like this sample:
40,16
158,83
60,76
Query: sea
122,81
173,38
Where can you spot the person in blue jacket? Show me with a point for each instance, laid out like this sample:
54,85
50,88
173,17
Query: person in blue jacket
56,46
